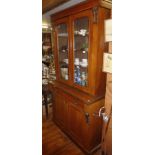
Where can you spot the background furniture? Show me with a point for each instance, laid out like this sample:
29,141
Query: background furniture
47,94
44,98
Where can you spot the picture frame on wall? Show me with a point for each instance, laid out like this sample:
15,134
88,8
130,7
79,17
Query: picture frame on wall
107,63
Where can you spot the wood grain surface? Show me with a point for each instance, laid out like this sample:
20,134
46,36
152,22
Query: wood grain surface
55,142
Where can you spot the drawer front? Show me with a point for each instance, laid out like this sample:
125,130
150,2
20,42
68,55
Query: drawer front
78,103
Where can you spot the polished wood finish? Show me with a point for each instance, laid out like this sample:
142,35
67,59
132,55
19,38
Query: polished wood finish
61,109
96,78
74,106
50,4
77,120
55,142
84,97
75,9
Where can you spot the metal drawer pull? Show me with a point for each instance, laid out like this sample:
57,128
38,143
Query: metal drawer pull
102,114
100,111
99,114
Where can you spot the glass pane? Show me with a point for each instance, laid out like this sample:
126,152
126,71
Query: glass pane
62,40
81,39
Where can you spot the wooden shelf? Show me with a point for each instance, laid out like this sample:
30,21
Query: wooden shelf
80,35
62,35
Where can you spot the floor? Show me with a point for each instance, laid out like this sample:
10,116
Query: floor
55,142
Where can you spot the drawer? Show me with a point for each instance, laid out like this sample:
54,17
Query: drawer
70,99
78,103
59,91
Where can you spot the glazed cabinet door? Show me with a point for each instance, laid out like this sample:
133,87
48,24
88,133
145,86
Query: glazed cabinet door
60,109
77,122
81,35
62,50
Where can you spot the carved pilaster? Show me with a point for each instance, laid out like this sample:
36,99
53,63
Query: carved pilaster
95,15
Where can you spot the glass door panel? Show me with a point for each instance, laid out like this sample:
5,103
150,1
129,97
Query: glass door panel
63,54
81,42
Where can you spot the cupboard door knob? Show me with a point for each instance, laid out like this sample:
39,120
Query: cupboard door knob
87,118
102,114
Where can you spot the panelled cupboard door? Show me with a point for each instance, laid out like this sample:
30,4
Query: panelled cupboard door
77,124
61,109
62,46
81,47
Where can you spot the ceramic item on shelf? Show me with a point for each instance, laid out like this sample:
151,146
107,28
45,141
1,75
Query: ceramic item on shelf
83,64
64,72
84,60
45,48
77,61
66,77
64,49
66,61
82,32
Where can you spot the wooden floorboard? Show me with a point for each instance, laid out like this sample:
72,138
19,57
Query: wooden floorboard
55,142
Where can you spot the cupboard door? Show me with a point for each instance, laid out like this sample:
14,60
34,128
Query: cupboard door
62,48
77,123
61,110
81,47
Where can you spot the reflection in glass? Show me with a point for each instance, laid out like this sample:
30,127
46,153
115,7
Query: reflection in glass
81,39
62,39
